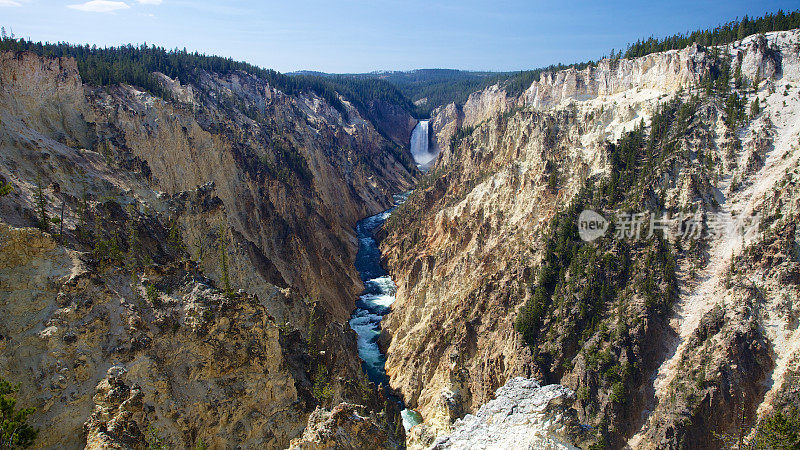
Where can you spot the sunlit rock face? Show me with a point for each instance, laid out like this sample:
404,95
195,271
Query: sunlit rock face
346,427
202,243
464,249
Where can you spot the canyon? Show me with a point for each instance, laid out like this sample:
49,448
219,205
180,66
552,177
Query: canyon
228,263
192,276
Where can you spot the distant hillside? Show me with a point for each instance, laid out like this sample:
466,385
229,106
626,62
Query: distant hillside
426,88
429,89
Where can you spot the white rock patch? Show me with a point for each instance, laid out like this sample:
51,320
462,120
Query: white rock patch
524,415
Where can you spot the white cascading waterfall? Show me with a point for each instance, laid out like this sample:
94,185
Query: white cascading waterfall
420,146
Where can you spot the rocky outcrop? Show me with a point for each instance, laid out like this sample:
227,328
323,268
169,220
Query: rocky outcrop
522,415
392,121
468,247
346,427
117,416
759,58
481,105
445,121
667,72
186,352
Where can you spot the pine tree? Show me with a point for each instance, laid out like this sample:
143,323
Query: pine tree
41,207
742,31
755,108
223,259
15,432
5,189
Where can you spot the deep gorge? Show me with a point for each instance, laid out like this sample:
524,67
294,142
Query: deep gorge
199,253
379,289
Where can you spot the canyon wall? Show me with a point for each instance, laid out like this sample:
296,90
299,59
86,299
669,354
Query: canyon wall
635,329
196,254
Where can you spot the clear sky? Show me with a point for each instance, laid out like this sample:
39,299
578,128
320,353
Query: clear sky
366,35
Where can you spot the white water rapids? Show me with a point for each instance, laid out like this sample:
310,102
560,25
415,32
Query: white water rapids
374,303
379,289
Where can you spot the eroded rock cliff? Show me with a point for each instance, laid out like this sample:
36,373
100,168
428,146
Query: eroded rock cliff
489,240
201,245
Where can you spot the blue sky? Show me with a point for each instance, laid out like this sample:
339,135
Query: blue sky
366,35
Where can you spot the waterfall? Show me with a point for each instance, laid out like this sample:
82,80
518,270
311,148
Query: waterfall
420,146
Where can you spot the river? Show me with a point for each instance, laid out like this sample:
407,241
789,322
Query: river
379,289
374,303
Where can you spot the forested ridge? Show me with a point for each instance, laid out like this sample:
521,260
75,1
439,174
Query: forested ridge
431,88
135,65
419,91
723,34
